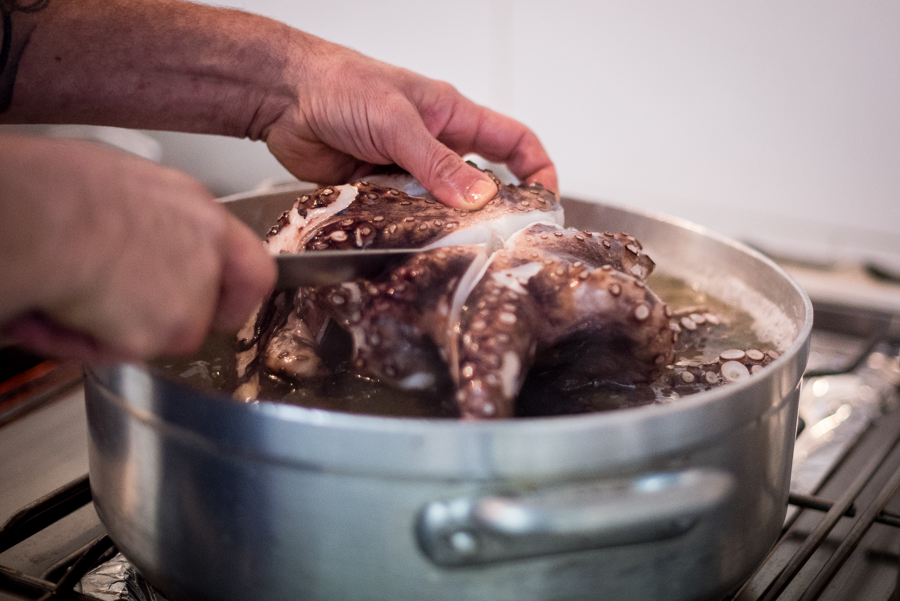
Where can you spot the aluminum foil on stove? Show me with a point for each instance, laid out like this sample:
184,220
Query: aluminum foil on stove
118,580
837,409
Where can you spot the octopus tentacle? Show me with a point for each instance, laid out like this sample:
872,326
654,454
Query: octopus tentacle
401,326
535,296
493,293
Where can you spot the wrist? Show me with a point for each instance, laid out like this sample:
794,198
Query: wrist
280,91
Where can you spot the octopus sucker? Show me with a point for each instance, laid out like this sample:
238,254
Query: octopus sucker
493,294
543,316
296,227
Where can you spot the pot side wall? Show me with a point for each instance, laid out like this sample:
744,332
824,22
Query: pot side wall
202,524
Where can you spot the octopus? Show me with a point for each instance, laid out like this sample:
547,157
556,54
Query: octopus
492,294
688,375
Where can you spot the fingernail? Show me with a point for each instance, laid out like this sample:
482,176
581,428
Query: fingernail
480,191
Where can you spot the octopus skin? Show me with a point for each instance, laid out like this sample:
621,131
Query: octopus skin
493,292
402,326
365,215
548,286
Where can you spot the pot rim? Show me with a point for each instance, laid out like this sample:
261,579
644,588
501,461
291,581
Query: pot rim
365,421
382,443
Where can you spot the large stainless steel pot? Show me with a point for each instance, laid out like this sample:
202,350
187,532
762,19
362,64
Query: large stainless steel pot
214,499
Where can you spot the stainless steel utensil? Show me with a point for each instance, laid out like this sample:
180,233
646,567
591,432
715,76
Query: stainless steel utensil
327,267
260,211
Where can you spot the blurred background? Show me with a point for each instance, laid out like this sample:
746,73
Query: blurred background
774,122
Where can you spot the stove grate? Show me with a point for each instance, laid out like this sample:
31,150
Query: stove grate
777,577
60,581
801,567
838,510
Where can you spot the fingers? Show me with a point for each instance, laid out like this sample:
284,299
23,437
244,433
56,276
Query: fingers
123,260
441,171
214,282
443,125
368,113
40,334
248,273
473,128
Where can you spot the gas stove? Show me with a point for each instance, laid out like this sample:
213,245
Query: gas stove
841,538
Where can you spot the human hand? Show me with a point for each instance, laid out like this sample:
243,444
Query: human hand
107,256
328,113
351,112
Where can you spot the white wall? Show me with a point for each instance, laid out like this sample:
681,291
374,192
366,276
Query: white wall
776,122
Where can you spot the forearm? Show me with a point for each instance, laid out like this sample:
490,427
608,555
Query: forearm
327,113
154,64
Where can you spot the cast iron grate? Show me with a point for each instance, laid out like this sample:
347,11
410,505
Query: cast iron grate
774,578
58,582
843,507
879,475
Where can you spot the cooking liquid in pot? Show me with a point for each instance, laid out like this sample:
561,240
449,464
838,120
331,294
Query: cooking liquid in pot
548,390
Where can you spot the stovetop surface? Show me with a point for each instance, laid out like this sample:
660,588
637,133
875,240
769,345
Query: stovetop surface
38,454
46,449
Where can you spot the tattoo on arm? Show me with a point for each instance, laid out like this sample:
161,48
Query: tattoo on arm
14,40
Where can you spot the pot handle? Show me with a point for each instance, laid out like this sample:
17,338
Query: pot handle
470,531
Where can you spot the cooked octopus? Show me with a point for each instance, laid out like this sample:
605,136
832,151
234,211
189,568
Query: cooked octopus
493,293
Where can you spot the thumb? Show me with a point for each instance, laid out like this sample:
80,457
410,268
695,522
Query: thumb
248,273
441,171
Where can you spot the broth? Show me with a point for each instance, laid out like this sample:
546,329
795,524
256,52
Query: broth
548,390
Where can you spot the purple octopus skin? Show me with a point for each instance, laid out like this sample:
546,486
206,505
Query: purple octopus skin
366,215
547,286
495,291
732,365
402,326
